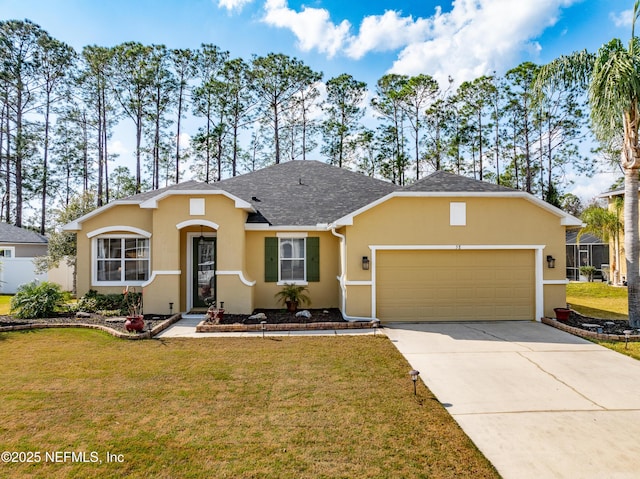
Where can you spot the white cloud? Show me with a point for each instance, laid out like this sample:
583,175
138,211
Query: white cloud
312,26
475,38
622,19
117,147
478,37
233,4
387,32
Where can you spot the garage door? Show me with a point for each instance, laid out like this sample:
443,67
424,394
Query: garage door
460,285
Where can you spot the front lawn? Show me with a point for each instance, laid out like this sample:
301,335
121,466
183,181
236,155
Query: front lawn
5,304
298,407
598,300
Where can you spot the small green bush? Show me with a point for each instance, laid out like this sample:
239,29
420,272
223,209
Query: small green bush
36,300
94,302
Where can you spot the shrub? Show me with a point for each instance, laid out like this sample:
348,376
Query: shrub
36,300
94,302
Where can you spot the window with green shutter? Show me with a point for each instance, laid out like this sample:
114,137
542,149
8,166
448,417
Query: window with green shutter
291,259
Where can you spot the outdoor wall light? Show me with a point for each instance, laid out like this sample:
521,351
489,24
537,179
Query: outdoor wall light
365,263
551,261
414,377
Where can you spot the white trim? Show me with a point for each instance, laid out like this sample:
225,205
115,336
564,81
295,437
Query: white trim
268,227
8,248
153,201
94,260
240,274
358,283
453,246
208,223
298,235
76,224
117,228
565,218
160,273
538,265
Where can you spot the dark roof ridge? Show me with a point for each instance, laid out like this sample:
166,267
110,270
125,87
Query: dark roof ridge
446,181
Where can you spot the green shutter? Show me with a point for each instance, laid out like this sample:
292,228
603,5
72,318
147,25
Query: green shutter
270,260
313,259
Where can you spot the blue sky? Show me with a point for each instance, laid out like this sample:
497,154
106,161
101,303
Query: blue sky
463,38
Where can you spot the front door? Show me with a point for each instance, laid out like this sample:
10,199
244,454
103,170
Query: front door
204,271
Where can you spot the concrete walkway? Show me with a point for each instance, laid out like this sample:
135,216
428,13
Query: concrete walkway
538,402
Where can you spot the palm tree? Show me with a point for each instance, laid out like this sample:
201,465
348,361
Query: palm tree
607,225
612,77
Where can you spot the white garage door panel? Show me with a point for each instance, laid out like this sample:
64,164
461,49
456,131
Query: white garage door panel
455,285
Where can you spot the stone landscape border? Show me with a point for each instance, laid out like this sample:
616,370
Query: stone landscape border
118,334
204,327
583,333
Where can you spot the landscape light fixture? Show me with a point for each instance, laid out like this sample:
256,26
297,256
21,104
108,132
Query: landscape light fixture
414,377
365,263
263,325
375,324
627,334
171,309
551,262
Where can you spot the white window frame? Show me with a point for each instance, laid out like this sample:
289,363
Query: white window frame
122,281
290,237
11,249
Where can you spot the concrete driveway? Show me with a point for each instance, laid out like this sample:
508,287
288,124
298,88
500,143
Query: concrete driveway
538,402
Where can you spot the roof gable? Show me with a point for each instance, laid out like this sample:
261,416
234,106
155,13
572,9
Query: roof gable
305,192
443,181
14,234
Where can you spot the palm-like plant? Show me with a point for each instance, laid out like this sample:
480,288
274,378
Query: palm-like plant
612,77
607,225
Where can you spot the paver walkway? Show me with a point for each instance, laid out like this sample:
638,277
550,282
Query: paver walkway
538,402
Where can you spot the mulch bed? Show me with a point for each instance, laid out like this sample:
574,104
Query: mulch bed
609,326
281,316
595,328
156,322
116,323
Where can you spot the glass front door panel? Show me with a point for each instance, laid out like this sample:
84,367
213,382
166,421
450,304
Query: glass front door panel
204,267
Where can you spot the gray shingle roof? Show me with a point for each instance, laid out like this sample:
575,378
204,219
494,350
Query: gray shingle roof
298,193
443,181
308,193
13,234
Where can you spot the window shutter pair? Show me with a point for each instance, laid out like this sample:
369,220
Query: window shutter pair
271,259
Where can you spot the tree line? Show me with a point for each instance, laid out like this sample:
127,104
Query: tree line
59,109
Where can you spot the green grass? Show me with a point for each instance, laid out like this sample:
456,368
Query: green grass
5,305
598,300
299,407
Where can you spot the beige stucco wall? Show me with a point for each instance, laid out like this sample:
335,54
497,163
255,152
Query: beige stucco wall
323,294
169,246
425,221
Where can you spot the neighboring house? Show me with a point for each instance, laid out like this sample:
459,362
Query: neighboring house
445,248
590,250
18,247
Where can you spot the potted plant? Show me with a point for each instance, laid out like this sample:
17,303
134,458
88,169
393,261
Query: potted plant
562,314
293,295
135,318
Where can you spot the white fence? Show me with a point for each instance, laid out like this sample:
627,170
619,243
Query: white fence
15,272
